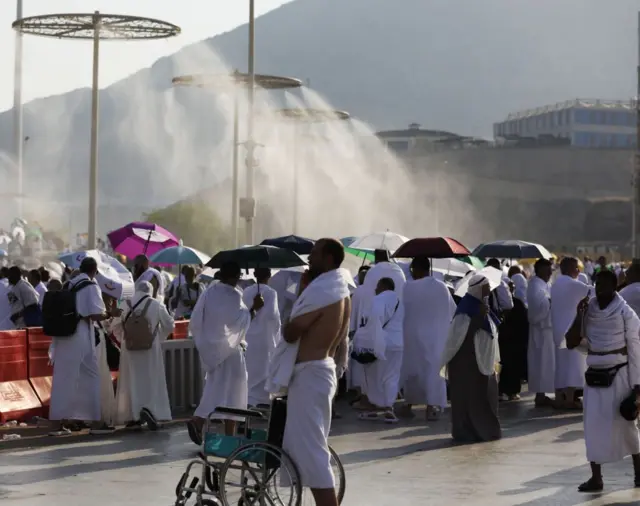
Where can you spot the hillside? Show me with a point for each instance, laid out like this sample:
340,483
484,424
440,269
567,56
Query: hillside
457,65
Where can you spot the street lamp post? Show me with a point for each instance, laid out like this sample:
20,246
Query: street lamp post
231,82
306,116
18,136
95,27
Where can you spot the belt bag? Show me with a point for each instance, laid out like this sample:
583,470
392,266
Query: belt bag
602,378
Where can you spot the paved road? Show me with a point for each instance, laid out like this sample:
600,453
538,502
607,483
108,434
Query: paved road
538,463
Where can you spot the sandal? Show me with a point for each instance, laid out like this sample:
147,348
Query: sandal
64,431
543,402
591,485
372,416
390,417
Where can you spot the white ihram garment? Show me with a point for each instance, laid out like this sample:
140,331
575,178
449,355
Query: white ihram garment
428,311
608,436
148,275
566,292
262,338
142,381
219,324
355,376
382,377
631,295
75,392
310,387
541,353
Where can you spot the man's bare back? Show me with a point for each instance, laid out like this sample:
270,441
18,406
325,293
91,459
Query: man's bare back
321,332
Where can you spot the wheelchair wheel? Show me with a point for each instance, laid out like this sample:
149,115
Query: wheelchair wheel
339,475
259,473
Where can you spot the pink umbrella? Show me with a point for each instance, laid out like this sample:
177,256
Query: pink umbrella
139,238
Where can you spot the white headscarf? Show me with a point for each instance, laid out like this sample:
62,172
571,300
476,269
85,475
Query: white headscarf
520,284
143,289
475,285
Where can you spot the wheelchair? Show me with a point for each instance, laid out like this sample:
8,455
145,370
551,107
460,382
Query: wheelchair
249,468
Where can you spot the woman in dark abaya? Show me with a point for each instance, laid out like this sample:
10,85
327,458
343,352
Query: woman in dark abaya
470,356
514,338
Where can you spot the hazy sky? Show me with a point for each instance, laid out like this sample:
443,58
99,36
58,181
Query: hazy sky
54,66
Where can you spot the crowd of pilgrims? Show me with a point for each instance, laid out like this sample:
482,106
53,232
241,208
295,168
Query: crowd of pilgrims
411,342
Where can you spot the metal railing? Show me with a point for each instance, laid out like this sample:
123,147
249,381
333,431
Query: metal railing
185,377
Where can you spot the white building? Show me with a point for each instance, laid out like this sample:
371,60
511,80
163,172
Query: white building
581,123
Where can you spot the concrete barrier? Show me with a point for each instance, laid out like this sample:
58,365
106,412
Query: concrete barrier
18,401
185,377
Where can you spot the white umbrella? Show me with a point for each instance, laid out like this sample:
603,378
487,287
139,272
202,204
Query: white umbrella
112,284
75,258
492,274
379,240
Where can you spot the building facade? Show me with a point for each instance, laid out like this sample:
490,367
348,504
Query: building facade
579,123
415,139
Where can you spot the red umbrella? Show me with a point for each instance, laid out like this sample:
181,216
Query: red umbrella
432,247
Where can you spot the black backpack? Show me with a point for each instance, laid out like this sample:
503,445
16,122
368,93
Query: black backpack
59,315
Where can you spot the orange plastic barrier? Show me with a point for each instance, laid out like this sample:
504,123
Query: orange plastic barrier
181,330
18,401
39,369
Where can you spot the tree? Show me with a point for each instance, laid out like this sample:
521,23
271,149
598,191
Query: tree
195,223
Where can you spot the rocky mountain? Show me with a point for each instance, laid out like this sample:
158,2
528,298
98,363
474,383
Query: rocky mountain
456,65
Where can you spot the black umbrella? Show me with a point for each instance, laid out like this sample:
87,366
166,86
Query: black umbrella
299,245
253,257
511,249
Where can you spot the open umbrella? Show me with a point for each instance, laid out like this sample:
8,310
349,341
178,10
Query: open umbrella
379,240
347,241
252,257
511,249
179,255
365,255
140,238
432,247
75,258
493,275
297,244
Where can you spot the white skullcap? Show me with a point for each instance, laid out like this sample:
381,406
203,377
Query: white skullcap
144,287
476,283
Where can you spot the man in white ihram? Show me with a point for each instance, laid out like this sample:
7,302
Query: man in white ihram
75,393
262,337
428,311
305,363
608,330
382,337
219,325
142,394
541,352
566,292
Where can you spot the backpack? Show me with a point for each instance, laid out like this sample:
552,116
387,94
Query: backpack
59,314
138,334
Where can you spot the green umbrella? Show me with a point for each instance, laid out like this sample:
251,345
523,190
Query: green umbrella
473,261
366,255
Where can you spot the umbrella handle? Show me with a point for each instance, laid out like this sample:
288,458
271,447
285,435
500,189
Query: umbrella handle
146,244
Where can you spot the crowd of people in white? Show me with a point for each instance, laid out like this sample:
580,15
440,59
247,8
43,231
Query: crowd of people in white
401,334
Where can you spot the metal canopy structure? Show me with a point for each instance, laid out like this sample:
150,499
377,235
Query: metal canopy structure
230,83
95,27
306,116
223,81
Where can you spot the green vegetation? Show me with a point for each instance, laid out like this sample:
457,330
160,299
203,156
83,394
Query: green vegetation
195,223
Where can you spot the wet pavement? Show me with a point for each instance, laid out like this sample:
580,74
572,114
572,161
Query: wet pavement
539,462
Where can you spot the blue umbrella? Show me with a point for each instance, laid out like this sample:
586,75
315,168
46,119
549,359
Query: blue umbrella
3,253
179,255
